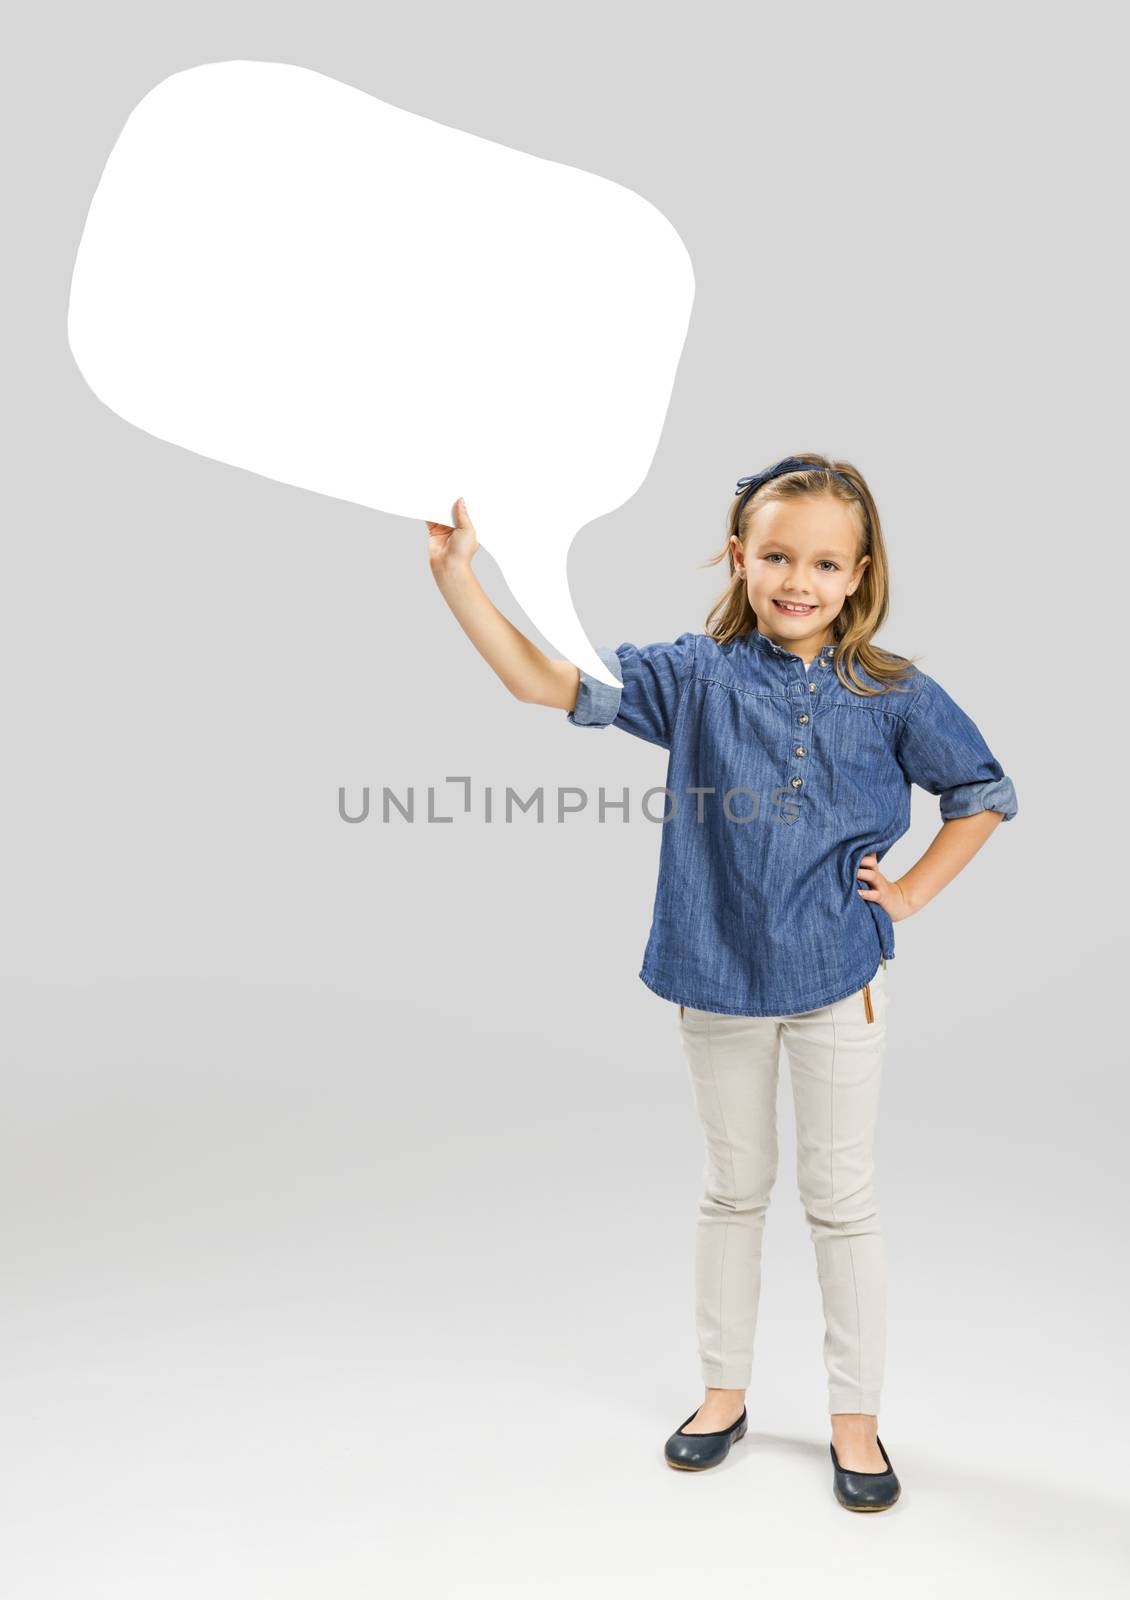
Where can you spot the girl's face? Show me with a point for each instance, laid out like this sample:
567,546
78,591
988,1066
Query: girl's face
803,551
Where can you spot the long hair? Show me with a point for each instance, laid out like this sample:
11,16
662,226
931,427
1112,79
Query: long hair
863,612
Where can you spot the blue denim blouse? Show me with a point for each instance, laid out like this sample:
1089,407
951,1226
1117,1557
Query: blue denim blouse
779,782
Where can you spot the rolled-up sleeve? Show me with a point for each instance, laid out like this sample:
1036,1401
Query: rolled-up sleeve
597,703
942,750
652,679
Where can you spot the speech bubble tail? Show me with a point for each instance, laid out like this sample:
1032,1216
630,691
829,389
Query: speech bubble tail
544,596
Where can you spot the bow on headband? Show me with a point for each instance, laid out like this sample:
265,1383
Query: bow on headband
790,464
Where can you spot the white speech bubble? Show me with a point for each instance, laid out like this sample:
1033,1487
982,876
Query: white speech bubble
283,273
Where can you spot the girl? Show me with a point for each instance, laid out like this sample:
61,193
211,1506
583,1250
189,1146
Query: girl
793,740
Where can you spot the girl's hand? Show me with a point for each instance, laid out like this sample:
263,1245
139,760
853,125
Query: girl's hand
451,547
889,895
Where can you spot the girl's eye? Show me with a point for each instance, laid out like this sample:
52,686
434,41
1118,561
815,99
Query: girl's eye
823,562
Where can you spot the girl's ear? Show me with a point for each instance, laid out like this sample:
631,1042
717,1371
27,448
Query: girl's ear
857,579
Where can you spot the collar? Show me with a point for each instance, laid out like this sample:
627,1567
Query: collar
767,647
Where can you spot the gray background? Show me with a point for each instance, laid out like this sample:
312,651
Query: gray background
350,1173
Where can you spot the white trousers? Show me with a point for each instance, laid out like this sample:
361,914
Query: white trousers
835,1058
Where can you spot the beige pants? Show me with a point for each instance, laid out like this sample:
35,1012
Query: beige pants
835,1058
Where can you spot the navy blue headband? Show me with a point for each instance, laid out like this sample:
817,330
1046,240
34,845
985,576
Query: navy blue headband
789,464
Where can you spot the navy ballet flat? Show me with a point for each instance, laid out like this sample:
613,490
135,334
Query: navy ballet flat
694,1452
865,1491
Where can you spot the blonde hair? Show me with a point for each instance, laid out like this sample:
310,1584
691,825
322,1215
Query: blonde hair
863,612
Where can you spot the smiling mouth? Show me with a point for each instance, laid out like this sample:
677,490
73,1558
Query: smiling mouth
794,611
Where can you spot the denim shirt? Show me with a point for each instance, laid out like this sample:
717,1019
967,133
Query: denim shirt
757,910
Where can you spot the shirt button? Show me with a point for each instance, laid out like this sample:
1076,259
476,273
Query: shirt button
803,717
812,688
800,751
796,782
823,661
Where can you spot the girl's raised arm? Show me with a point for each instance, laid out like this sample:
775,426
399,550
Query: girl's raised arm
526,671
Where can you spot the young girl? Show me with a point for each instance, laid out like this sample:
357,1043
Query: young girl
793,740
